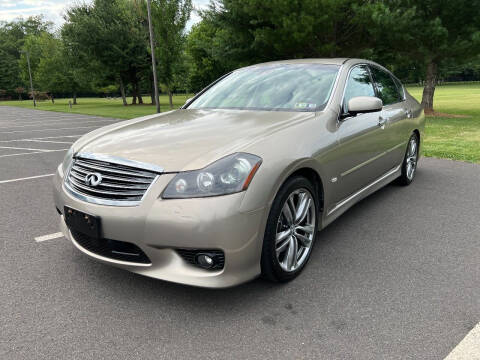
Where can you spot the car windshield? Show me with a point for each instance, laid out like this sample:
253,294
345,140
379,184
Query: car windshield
280,87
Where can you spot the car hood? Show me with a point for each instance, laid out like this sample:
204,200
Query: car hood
188,139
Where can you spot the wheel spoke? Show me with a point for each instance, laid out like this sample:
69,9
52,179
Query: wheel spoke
291,205
281,247
410,169
287,213
307,228
292,253
295,252
412,149
306,242
282,236
302,209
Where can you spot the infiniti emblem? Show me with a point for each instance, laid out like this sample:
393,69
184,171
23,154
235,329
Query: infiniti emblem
93,179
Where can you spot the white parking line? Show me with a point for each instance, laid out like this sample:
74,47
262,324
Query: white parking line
22,148
56,129
49,237
60,136
64,119
33,152
25,178
50,123
468,348
50,141
41,138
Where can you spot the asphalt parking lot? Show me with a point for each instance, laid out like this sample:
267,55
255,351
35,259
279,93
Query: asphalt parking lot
396,277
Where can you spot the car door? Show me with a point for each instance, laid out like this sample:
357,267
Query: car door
394,113
361,139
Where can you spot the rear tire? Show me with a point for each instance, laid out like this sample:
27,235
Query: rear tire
291,230
409,165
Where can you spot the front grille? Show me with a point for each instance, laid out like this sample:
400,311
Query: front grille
118,182
190,255
113,249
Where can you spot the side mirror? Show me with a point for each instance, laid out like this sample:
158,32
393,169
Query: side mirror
188,101
364,104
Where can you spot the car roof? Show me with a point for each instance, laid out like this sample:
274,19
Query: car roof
325,61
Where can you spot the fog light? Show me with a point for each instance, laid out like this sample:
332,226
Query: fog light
204,260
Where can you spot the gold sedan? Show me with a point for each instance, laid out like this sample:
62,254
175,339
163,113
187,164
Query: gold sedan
238,182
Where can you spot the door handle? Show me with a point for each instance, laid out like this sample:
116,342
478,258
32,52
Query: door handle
382,121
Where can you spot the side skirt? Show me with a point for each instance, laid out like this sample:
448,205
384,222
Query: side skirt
340,207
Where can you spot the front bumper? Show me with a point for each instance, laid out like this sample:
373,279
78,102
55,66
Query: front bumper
160,226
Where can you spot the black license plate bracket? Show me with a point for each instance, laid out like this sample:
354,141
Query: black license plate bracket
82,222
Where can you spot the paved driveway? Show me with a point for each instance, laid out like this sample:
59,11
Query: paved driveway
395,277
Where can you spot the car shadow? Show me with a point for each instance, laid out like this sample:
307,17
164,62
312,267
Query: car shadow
156,294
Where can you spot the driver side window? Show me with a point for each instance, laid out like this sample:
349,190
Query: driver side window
359,83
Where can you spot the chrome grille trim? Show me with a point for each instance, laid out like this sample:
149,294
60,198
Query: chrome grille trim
110,169
121,161
108,177
124,182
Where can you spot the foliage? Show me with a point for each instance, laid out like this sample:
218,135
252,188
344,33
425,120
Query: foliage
428,35
54,72
417,40
205,58
242,32
12,38
169,18
108,32
105,42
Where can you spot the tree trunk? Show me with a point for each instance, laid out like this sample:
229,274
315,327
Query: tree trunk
429,89
74,98
20,97
139,93
170,99
122,91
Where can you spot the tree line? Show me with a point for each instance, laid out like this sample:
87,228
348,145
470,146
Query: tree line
102,48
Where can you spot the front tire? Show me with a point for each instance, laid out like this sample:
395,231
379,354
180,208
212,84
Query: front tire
291,230
409,166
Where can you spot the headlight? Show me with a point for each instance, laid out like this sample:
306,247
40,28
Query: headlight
67,160
228,175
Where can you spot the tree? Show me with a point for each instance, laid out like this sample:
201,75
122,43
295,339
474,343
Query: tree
109,33
12,39
430,34
205,59
169,18
235,33
55,72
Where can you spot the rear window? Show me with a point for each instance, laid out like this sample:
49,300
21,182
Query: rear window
386,87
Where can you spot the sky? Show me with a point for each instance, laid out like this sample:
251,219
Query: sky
53,10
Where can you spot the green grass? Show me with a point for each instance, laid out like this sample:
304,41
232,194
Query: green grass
449,137
102,106
446,137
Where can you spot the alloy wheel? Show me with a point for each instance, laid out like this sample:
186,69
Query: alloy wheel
412,156
295,230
